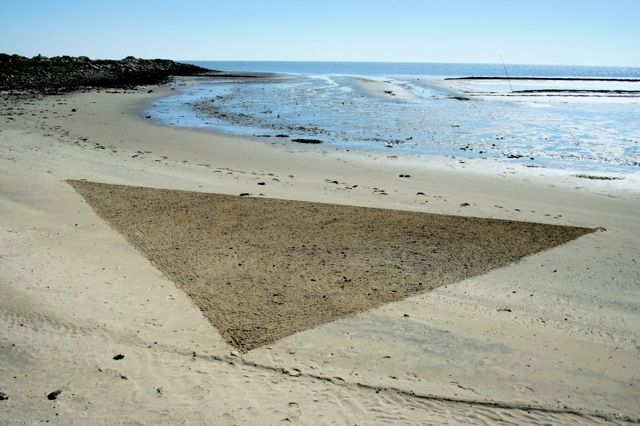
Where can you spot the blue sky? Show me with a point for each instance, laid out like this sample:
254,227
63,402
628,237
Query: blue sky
584,32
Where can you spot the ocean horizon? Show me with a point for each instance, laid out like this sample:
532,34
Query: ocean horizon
432,69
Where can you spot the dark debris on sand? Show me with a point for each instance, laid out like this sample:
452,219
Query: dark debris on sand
54,395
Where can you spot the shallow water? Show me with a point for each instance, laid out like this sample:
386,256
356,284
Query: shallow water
578,133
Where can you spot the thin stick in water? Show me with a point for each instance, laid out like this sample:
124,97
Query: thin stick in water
506,73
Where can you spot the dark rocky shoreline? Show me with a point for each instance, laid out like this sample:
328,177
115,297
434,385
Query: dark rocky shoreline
66,73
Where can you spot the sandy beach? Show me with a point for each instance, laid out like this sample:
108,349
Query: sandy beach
551,337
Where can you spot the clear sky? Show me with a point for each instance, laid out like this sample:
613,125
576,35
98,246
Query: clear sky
583,32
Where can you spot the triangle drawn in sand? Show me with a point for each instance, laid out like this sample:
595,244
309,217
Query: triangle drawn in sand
262,269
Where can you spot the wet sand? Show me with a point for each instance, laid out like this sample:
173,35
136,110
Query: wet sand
263,269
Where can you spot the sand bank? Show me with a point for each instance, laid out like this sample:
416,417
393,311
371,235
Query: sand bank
551,338
388,89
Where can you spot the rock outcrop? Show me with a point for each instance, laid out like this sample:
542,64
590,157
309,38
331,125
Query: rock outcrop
65,73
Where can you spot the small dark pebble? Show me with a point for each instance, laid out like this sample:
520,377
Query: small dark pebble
504,310
54,395
282,135
149,91
404,176
244,194
419,193
465,205
3,396
147,116
406,315
73,110
118,357
261,183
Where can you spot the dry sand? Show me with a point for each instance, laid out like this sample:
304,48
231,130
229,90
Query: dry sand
552,338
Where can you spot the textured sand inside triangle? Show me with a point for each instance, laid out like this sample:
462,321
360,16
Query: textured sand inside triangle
262,269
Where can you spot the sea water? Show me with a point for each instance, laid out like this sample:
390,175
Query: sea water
594,127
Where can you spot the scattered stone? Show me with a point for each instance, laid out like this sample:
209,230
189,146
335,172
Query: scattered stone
118,357
54,395
282,135
3,396
73,110
465,205
504,310
261,183
244,194
420,193
404,176
406,315
515,156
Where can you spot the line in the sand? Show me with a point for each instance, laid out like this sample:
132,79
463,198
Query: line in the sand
232,360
